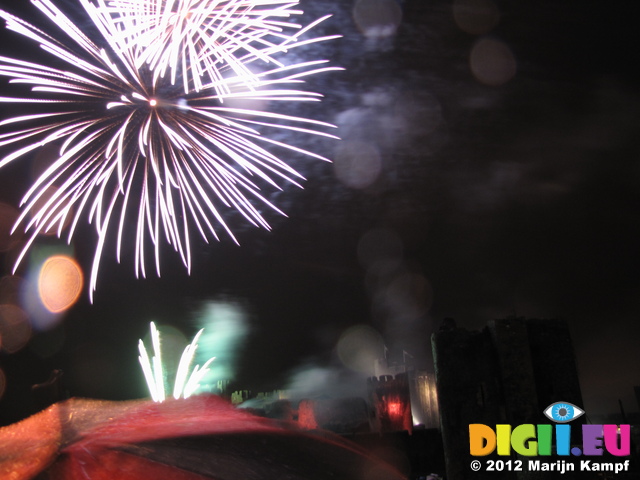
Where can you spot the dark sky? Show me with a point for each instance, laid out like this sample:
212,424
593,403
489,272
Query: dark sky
508,171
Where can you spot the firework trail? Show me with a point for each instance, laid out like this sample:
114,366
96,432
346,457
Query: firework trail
132,143
200,40
186,384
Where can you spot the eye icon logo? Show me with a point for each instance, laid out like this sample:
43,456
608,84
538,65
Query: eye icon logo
563,412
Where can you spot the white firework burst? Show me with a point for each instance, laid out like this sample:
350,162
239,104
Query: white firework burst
185,384
134,144
202,41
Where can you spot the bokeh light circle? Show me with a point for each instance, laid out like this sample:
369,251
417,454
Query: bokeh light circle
492,62
359,347
357,164
15,329
377,18
476,16
59,283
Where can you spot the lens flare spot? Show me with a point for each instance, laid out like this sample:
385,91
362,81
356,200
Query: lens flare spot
357,164
15,329
476,16
359,347
407,296
492,62
59,283
377,18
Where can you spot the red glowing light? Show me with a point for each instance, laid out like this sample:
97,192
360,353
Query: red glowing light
394,409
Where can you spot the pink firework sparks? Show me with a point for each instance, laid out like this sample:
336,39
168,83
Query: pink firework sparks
138,155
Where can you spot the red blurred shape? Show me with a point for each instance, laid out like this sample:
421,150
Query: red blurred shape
203,437
306,415
394,409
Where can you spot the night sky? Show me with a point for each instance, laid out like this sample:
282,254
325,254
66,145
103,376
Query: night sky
485,170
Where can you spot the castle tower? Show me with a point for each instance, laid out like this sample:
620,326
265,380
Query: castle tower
507,373
391,401
424,399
